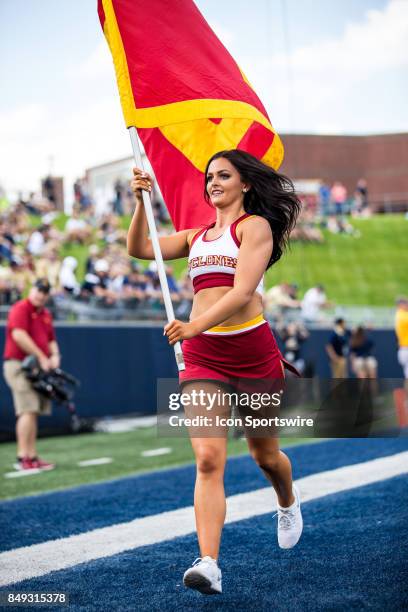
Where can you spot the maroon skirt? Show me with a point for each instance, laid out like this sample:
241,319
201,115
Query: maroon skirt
252,354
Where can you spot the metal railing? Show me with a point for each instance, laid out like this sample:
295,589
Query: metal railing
123,310
369,316
73,310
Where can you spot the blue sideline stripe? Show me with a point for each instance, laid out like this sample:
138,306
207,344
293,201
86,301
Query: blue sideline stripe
351,556
45,517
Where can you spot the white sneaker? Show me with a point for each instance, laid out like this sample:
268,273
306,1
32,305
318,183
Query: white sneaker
290,523
204,576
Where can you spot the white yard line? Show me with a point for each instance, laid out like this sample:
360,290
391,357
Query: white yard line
99,461
21,473
41,559
121,425
155,452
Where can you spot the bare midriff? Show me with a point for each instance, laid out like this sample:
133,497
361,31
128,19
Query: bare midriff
205,298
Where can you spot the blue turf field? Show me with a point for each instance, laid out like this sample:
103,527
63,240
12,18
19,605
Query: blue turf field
352,555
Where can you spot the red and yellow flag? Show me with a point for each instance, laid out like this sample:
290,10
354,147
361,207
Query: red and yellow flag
186,96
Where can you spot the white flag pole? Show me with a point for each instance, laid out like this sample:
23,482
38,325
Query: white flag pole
156,247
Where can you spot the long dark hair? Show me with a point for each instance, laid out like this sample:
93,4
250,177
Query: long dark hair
358,337
271,196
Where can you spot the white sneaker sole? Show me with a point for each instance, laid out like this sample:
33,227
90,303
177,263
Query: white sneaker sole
288,546
198,582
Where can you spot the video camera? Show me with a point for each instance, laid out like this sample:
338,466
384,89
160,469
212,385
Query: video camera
54,384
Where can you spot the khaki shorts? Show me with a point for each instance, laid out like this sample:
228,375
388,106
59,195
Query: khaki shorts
24,397
364,363
339,368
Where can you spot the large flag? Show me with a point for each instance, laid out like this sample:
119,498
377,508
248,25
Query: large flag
186,96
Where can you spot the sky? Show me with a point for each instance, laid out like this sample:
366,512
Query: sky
319,67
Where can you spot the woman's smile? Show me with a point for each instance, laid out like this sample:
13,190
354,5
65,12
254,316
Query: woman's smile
223,181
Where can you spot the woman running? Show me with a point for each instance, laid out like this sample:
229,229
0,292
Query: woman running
227,338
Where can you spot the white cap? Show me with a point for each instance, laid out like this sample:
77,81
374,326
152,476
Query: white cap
101,265
70,262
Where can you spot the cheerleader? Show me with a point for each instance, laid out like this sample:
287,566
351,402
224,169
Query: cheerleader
227,338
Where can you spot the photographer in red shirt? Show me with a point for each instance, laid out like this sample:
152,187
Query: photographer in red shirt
29,332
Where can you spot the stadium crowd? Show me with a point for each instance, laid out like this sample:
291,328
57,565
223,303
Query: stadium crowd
35,241
328,209
105,279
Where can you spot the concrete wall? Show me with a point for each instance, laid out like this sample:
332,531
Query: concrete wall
381,159
118,366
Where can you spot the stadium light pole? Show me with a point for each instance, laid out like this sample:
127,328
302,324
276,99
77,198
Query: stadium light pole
147,203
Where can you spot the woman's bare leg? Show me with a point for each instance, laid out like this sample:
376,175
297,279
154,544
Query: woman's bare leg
275,465
209,494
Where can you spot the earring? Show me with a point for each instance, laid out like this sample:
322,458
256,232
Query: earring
245,189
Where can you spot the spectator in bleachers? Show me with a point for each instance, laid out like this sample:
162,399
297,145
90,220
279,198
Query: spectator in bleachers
173,285
37,240
81,195
117,275
324,199
160,213
94,253
115,254
49,188
338,197
67,279
135,284
76,228
109,230
77,191
17,225
29,261
29,204
97,284
49,218
293,335
117,205
279,299
361,193
186,287
340,225
314,301
36,204
4,285
361,206
186,296
49,265
22,278
306,227
6,242
337,349
153,289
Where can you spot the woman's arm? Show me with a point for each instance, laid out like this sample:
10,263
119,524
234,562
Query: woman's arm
254,254
138,242
331,352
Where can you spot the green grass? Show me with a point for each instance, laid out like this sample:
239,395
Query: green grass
370,270
124,448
